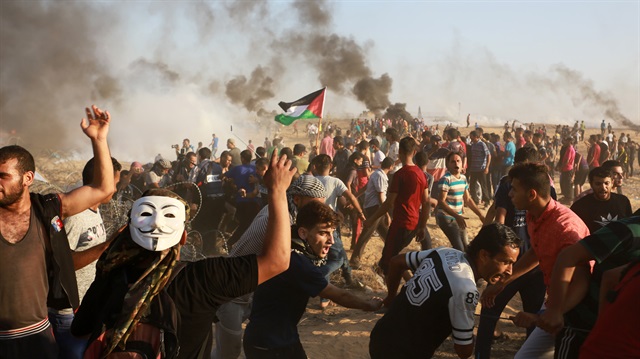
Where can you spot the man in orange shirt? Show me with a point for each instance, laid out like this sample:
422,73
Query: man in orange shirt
552,227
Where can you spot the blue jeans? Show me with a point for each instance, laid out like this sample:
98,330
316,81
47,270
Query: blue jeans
532,290
337,258
231,315
457,236
70,346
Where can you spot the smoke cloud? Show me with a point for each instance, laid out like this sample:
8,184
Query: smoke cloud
588,95
399,110
47,65
374,93
251,92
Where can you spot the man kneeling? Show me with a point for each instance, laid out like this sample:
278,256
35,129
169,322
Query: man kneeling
279,303
441,297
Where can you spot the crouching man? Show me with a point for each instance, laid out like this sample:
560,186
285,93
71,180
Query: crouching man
441,297
279,303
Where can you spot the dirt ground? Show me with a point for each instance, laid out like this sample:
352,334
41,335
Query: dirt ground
339,332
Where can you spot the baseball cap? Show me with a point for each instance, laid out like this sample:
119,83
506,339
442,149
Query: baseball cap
307,186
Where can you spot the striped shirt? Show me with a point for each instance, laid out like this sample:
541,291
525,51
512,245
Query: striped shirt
479,155
455,188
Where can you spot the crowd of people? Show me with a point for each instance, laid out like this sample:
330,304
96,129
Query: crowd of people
68,291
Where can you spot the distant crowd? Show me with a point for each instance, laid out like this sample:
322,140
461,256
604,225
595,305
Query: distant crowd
68,291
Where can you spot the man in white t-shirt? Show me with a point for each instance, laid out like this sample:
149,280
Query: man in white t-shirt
337,257
374,196
377,156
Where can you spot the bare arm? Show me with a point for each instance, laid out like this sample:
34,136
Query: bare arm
425,212
96,127
383,209
276,250
350,300
565,270
501,215
486,169
397,266
84,258
442,202
471,204
526,263
354,202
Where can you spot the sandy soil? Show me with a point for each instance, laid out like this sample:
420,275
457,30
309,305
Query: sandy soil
340,332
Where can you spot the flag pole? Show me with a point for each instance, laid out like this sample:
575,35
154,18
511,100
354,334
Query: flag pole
238,137
324,97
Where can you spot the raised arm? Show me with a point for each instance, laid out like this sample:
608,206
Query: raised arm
96,127
276,250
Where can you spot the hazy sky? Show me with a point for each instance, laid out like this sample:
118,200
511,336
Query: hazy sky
173,69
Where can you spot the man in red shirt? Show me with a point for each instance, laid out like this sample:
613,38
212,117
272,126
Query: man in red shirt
593,156
407,195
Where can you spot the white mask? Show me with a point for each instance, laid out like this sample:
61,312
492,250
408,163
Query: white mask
157,222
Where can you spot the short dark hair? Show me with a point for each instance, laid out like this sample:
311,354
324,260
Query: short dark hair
262,162
362,145
493,238
338,140
393,133
386,163
407,145
451,154
287,151
261,151
314,213
526,154
25,159
321,162
601,172
421,159
355,156
374,142
87,171
299,149
245,156
532,175
610,164
204,153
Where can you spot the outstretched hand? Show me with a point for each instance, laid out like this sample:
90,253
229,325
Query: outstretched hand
279,174
96,125
488,297
524,319
374,304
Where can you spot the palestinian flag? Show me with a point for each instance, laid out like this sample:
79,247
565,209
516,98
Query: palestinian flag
308,107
